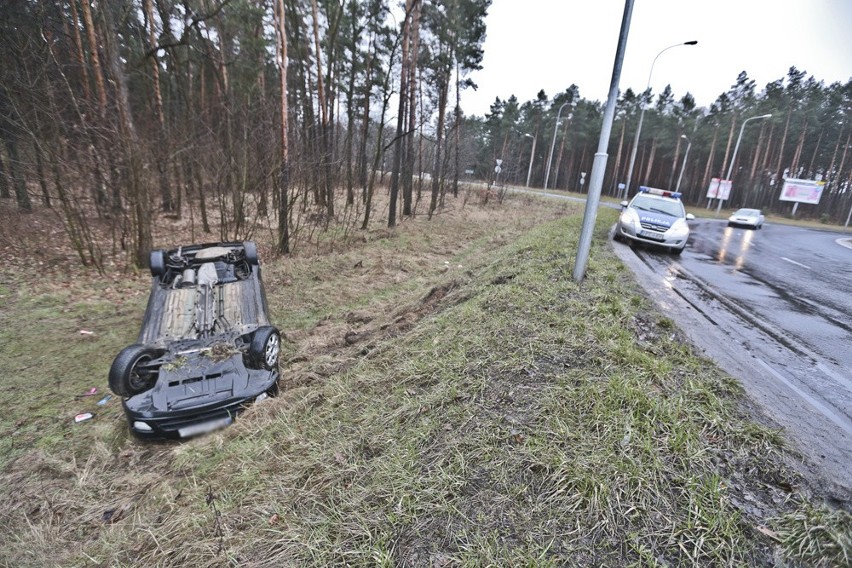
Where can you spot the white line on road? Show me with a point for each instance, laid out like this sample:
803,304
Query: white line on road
825,411
794,262
844,381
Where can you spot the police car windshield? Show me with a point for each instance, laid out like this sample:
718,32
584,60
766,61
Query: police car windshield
666,206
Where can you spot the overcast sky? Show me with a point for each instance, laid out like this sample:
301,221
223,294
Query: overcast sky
549,44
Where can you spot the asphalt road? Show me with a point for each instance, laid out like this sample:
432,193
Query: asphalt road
773,308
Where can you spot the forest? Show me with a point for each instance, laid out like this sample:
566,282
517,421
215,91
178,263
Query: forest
301,114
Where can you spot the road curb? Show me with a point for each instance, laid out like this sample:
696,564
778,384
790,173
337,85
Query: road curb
845,242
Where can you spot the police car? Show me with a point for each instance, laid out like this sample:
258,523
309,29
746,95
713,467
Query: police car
654,217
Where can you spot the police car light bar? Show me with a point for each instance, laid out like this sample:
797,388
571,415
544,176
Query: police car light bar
663,192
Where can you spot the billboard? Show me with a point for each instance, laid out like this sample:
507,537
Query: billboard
719,189
802,190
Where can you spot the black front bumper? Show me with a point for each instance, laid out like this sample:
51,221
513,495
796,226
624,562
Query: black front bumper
192,421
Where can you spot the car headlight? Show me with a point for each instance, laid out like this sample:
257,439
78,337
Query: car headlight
630,218
680,227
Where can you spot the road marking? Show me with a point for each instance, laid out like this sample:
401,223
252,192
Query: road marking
840,379
808,398
794,262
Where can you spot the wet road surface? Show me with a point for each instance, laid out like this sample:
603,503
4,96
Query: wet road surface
772,307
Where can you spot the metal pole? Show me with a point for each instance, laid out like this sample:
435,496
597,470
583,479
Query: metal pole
532,155
734,158
642,118
599,165
846,226
553,143
683,167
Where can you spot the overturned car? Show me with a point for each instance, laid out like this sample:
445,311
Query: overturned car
206,347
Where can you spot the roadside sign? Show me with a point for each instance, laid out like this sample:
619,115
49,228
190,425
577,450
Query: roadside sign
713,190
499,162
498,169
802,191
719,189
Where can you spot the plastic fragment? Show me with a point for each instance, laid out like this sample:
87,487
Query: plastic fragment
104,400
91,391
83,417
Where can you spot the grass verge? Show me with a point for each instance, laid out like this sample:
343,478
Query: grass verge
482,409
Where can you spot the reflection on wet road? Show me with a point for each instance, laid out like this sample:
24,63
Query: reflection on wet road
780,304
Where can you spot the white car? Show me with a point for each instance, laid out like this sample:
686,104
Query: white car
654,217
746,218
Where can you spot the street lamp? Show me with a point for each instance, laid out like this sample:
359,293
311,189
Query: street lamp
553,142
734,157
532,155
642,117
683,167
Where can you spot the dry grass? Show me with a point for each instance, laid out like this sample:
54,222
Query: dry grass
451,398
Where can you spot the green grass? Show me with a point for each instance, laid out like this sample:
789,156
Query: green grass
526,421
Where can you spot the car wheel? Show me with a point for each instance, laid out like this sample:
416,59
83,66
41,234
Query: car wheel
265,348
677,251
158,262
128,375
251,252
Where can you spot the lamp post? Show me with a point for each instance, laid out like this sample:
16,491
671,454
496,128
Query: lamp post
553,142
734,157
532,155
642,117
584,245
683,166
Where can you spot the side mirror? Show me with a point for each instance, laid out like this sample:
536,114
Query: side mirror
690,217
623,204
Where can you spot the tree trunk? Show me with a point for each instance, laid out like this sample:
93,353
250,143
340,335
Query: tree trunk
399,141
162,147
365,125
93,53
758,151
4,182
137,187
438,173
78,48
647,175
100,87
21,196
323,137
709,166
615,176
284,167
670,184
458,117
728,149
378,154
408,171
778,168
797,155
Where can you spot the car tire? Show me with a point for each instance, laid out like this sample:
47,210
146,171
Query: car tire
124,377
250,249
265,348
158,262
677,251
